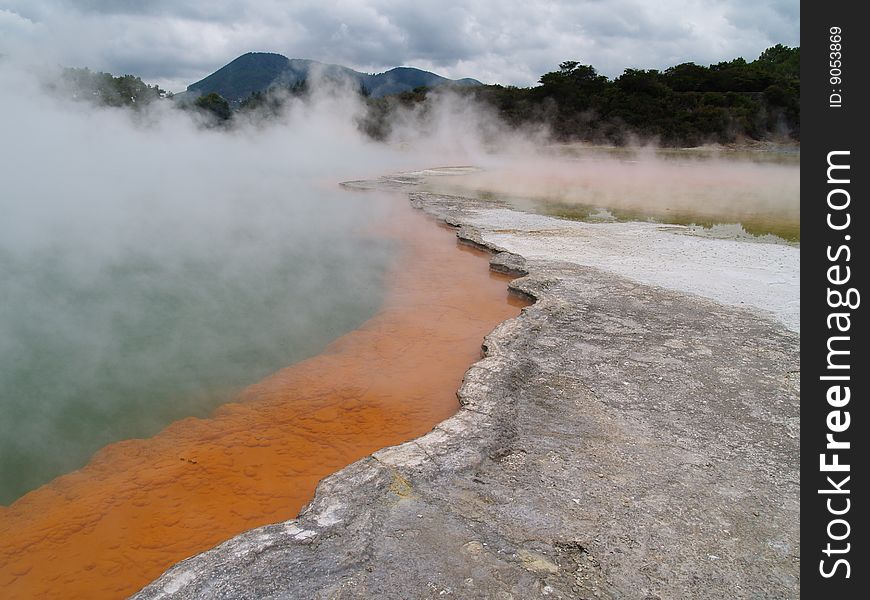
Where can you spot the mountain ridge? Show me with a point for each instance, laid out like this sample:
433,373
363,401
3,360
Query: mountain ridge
259,71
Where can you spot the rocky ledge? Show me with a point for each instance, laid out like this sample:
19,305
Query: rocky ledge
617,440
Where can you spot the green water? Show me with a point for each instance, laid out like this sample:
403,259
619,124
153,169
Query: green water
104,342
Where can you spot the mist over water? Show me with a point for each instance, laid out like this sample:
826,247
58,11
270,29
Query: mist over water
146,340
756,192
149,269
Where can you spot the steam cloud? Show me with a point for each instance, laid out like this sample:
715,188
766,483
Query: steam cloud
758,191
141,253
150,265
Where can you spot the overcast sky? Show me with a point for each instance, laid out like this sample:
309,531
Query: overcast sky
177,42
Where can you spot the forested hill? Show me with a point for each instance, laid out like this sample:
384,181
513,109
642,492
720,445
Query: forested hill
258,72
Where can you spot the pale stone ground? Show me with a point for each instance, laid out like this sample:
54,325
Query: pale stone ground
765,277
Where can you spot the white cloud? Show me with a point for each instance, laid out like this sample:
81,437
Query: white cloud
506,41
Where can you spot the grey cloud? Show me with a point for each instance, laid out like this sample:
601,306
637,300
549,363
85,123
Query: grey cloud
506,41
216,10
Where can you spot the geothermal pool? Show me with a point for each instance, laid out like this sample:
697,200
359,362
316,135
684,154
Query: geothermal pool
139,506
108,339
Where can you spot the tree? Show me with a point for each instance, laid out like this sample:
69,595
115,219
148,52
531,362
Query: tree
216,105
103,88
635,81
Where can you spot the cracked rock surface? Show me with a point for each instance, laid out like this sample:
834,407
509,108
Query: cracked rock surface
616,441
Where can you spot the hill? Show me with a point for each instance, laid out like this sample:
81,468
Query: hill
259,71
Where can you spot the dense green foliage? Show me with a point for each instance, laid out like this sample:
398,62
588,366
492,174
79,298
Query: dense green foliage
265,106
215,105
103,88
686,104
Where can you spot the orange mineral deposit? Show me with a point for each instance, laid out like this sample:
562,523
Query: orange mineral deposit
140,506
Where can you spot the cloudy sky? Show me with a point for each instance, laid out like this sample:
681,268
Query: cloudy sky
177,42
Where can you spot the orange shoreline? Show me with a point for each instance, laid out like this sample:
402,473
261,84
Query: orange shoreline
140,506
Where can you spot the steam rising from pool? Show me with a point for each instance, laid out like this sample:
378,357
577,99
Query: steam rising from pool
151,268
759,192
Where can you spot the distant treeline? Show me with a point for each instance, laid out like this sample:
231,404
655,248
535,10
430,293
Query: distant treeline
105,89
684,105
